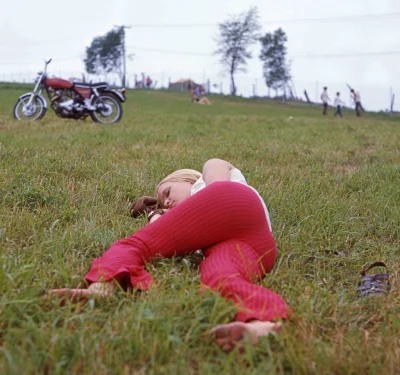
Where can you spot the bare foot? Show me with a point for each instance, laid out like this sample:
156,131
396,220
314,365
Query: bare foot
227,336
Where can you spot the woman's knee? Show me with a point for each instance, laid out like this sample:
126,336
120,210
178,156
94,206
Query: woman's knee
219,280
232,193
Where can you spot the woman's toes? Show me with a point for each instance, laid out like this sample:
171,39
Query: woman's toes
227,336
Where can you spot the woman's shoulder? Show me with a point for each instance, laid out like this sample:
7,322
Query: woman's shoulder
198,185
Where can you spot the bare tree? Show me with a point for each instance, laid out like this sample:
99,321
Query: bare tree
236,35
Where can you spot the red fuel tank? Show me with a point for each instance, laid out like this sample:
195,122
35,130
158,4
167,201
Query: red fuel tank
58,83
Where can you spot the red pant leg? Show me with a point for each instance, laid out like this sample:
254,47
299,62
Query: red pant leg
219,212
230,268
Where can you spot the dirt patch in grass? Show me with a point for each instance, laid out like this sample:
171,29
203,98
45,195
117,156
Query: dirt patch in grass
346,168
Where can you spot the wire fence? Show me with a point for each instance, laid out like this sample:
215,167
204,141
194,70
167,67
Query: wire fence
373,97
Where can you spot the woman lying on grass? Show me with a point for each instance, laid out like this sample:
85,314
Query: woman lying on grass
219,213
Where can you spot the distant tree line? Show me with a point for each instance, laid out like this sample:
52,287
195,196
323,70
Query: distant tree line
236,35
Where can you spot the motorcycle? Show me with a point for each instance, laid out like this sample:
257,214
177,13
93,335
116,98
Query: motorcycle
71,100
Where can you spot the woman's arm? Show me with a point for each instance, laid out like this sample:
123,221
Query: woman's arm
216,170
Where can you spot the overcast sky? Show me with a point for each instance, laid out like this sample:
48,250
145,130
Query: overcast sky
330,42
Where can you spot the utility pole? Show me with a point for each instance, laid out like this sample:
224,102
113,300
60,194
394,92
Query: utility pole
122,28
391,101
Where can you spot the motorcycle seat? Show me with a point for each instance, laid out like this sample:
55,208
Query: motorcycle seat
91,85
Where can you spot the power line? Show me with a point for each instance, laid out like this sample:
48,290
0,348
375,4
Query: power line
30,62
339,18
36,42
191,25
357,54
172,52
187,53
336,55
293,20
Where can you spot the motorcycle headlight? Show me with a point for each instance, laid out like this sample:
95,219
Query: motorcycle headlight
38,77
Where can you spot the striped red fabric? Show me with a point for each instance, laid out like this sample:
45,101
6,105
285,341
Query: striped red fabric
227,221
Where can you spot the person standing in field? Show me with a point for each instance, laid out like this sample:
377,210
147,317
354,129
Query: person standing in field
217,212
357,100
148,82
325,99
338,104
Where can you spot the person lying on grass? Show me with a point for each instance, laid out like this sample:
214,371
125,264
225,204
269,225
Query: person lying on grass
196,93
215,211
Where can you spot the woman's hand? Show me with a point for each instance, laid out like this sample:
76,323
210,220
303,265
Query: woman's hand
157,216
96,289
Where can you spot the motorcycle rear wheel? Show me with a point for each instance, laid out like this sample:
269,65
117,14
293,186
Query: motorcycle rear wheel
29,112
109,109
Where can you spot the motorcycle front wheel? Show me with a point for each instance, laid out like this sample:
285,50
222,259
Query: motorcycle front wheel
29,112
108,109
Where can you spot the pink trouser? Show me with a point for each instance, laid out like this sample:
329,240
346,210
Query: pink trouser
227,221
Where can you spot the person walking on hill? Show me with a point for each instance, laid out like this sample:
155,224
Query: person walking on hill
338,104
325,99
215,211
357,100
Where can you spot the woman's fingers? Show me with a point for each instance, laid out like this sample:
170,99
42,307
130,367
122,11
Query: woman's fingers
95,289
72,294
77,295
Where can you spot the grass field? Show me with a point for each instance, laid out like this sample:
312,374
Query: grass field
333,190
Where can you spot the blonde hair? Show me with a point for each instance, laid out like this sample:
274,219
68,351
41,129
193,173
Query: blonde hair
188,175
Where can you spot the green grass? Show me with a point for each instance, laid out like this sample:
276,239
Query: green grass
332,185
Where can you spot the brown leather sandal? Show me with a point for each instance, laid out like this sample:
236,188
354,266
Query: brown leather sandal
374,285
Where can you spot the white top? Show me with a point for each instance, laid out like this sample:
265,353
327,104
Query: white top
338,101
235,176
356,96
324,97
